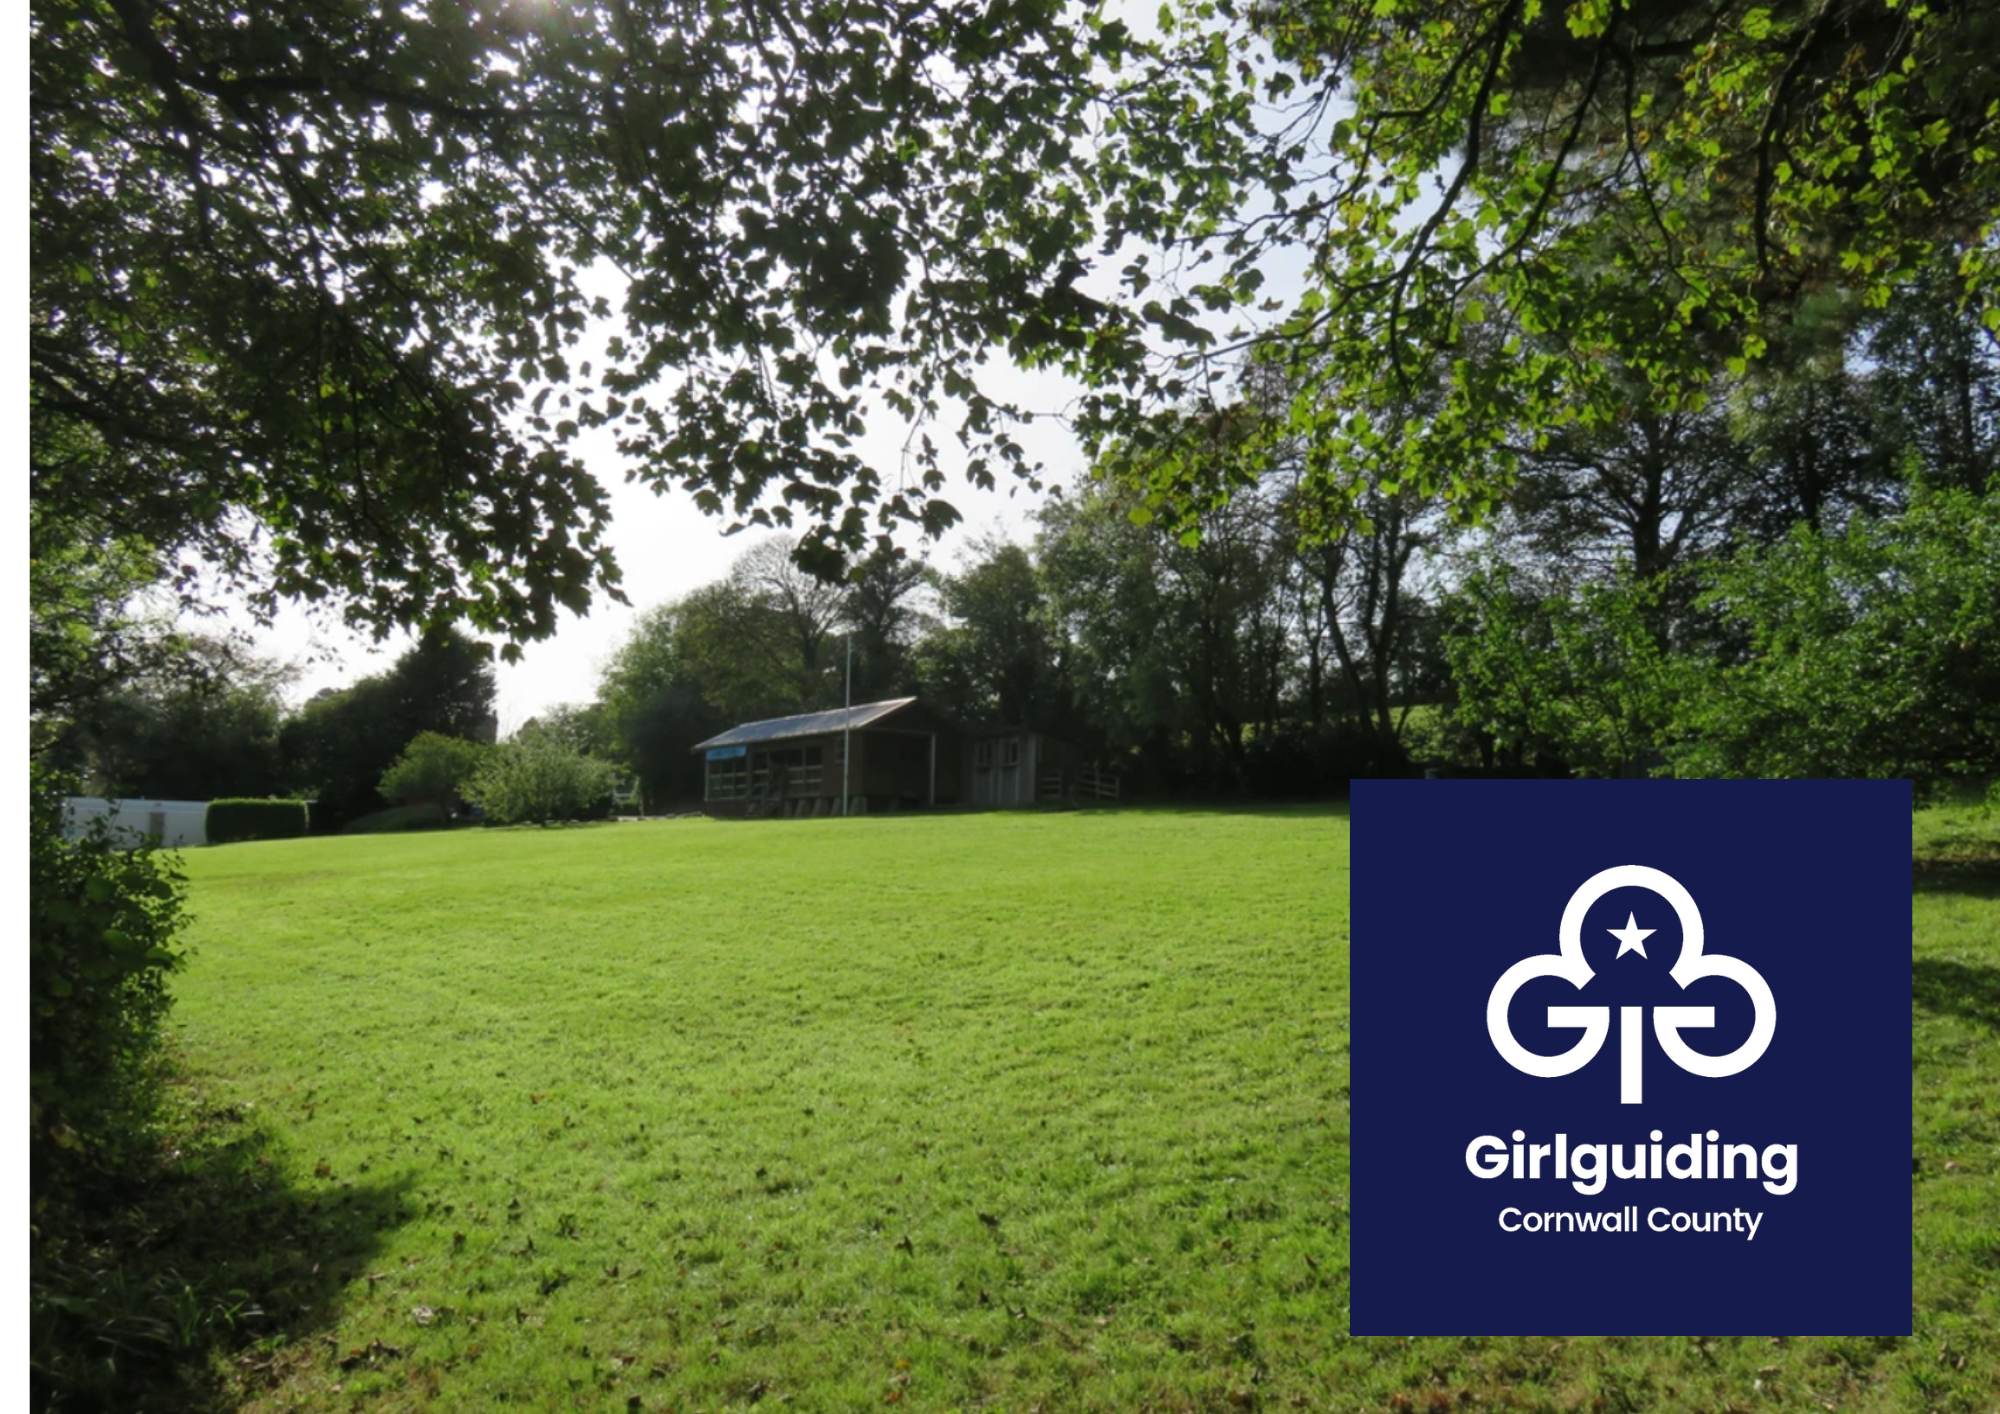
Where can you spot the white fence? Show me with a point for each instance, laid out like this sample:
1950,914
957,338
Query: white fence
174,823
1093,784
1088,784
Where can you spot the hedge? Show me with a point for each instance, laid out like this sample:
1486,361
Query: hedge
231,821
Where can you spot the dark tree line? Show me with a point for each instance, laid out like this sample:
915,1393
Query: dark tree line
203,717
1643,599
1182,662
1610,617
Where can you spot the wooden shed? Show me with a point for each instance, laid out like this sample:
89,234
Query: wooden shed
904,756
1007,766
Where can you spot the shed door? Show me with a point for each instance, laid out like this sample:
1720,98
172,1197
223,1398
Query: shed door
1008,785
982,772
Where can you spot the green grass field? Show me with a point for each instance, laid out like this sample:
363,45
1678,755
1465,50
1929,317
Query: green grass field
1018,1112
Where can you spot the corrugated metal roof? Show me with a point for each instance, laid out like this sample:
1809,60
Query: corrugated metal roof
861,714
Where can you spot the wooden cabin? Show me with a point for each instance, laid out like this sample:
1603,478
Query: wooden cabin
904,756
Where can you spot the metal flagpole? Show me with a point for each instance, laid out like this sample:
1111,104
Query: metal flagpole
847,730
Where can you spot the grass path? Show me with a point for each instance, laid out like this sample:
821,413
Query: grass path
1010,1111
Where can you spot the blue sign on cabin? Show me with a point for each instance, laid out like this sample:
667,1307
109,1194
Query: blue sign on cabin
726,753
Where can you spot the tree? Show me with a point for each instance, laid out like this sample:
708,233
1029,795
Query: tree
197,721
103,926
763,642
433,771
995,659
305,285
585,729
1360,600
102,942
1176,638
283,285
444,683
1576,680
788,617
766,641
85,635
306,281
878,610
540,783
1812,433
1650,490
341,743
1870,652
1874,652
656,707
368,361
1592,191
1936,385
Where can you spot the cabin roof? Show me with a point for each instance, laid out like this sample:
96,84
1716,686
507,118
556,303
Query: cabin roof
861,714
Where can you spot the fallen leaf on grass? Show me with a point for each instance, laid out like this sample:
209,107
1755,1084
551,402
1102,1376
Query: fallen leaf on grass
369,1354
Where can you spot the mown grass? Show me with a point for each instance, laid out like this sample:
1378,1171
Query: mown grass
1961,827
1008,1111
1956,1063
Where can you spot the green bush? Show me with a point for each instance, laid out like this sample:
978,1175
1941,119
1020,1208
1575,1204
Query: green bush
232,821
102,921
1560,681
433,770
539,783
1875,652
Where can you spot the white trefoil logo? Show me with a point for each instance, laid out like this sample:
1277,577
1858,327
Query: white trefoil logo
1595,1021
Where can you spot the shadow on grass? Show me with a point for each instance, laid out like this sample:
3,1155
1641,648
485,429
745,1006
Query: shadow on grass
1955,987
1106,810
1974,878
1299,809
200,1285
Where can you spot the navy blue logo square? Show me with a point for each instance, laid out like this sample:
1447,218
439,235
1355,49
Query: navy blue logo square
1630,1057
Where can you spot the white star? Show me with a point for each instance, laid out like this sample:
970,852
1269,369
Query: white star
1632,937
